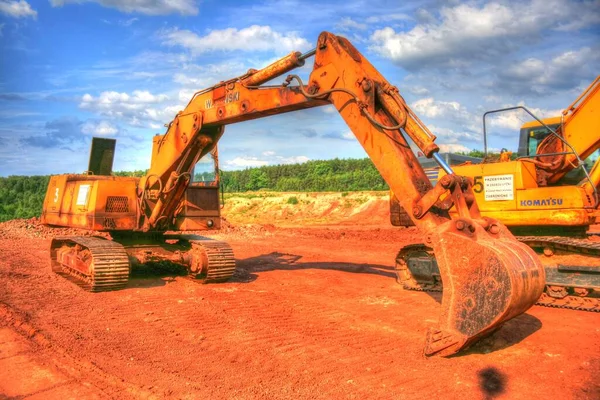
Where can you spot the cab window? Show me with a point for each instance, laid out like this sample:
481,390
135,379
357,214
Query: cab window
535,136
205,170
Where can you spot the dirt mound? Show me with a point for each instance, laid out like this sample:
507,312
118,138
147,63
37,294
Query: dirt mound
300,209
33,228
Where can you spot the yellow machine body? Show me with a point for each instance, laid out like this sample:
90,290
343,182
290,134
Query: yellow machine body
514,193
509,192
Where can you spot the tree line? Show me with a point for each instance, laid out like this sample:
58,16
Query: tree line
337,175
23,196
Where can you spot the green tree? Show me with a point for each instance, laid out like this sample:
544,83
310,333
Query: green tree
258,180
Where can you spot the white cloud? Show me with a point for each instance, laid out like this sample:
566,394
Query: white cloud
467,32
185,95
424,16
245,162
148,7
128,22
17,9
418,90
253,38
108,99
492,98
447,136
346,135
388,17
453,122
444,110
564,71
292,160
140,108
348,24
453,148
195,77
267,158
102,128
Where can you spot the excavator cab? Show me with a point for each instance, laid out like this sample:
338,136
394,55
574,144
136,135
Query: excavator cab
532,133
200,207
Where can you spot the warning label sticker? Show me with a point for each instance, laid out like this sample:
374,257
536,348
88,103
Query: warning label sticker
82,195
498,187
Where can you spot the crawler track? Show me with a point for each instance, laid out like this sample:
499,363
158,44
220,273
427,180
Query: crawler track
220,261
414,258
107,261
578,246
571,302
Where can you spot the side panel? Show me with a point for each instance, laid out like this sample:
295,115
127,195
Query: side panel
55,195
100,203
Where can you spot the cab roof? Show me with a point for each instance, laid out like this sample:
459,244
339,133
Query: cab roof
535,124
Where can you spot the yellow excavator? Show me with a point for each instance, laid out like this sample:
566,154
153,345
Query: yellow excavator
492,276
548,197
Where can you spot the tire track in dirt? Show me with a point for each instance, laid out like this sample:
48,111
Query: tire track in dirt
317,342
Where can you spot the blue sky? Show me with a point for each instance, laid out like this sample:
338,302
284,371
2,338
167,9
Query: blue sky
73,69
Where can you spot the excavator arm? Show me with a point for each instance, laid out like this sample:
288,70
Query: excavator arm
488,276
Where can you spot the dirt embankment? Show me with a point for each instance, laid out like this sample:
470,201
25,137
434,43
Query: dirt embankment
301,209
32,228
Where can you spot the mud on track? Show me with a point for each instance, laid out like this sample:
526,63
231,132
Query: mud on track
311,313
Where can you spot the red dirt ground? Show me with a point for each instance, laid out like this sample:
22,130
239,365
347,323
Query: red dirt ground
312,313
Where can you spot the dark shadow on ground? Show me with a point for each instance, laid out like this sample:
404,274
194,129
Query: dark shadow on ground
249,268
154,275
492,382
509,334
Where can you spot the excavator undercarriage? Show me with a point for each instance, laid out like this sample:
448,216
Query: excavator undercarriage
97,264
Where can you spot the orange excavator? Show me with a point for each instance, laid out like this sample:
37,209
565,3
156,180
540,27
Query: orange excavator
489,276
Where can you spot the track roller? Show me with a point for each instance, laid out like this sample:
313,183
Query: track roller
212,261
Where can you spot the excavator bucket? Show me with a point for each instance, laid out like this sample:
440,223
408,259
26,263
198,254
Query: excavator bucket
488,279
